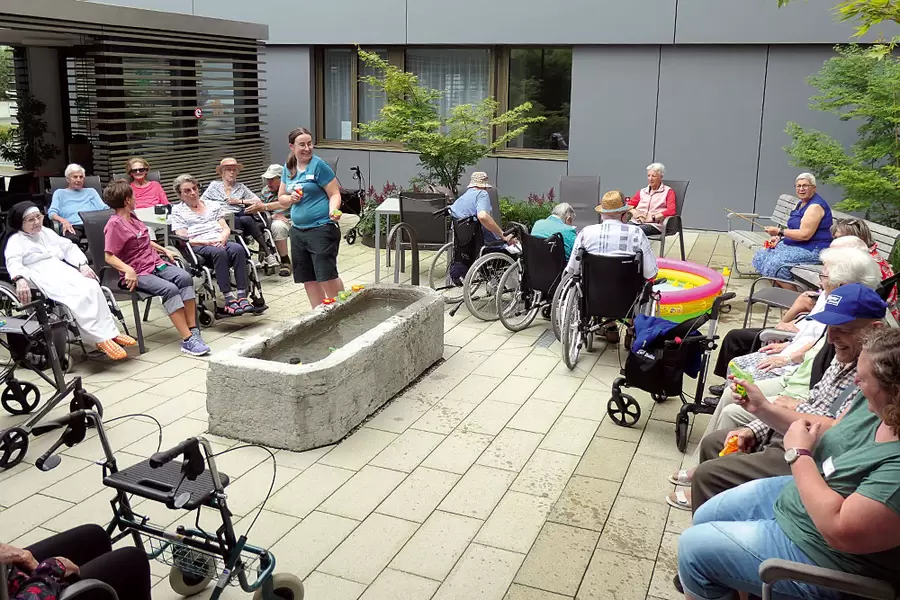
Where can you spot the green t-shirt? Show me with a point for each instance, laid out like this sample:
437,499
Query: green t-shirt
862,466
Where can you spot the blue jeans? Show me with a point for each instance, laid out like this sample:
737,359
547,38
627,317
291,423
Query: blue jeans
733,533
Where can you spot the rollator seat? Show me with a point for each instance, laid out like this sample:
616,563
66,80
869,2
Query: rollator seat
158,484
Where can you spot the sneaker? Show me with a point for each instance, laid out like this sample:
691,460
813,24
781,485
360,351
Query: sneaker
194,346
712,401
233,308
717,390
272,261
195,333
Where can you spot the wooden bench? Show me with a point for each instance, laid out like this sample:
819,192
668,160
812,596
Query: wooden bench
754,240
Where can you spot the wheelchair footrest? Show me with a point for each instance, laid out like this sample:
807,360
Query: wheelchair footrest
158,484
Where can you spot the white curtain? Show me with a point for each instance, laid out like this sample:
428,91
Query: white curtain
462,74
371,101
337,93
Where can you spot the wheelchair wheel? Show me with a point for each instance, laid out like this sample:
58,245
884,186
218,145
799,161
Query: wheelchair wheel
589,341
514,306
570,328
20,397
482,281
681,431
13,446
624,410
556,307
659,397
439,275
284,587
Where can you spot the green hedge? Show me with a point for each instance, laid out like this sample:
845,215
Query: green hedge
524,212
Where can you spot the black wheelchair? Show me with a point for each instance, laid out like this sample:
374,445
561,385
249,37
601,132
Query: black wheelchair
527,287
606,290
184,477
37,340
208,307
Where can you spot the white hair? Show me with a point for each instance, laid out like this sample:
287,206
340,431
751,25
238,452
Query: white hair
74,168
849,241
849,265
808,177
658,167
563,210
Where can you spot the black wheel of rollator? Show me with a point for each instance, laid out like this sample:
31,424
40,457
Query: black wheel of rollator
351,236
626,415
20,397
659,397
205,318
681,430
13,446
545,312
85,401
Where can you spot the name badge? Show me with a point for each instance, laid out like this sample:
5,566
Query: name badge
311,177
828,467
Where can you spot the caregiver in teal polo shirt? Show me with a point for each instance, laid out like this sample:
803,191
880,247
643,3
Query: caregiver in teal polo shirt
310,189
560,221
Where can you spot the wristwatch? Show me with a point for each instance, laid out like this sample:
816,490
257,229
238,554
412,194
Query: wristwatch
780,231
792,454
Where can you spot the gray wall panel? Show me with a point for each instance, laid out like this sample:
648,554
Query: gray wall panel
289,96
613,114
518,177
333,22
708,127
396,167
175,6
762,22
562,22
787,99
349,158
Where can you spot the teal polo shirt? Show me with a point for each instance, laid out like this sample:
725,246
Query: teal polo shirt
552,224
312,210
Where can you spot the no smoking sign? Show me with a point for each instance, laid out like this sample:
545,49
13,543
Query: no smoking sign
198,112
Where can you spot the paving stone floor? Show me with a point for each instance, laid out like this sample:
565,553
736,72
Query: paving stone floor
496,476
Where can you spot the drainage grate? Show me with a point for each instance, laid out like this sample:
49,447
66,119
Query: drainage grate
546,340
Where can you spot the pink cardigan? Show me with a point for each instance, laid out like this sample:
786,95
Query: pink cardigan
660,200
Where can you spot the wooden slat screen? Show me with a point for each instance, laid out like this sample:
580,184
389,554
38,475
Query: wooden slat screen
133,91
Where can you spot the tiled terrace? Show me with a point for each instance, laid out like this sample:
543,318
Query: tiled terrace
498,475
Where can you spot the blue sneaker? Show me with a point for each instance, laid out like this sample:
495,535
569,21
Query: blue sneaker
194,346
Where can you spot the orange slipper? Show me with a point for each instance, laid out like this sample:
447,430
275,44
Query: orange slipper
112,350
125,340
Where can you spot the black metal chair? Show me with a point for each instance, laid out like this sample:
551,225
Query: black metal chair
582,193
673,225
90,181
94,222
417,210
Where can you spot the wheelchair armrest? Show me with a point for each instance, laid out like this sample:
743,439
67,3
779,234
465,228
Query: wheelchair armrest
778,569
767,336
85,586
180,238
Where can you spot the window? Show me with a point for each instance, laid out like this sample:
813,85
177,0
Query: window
542,76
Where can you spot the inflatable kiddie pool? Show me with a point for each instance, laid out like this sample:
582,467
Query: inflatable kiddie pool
689,290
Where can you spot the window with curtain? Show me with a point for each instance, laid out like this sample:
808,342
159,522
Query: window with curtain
337,82
370,100
463,74
544,78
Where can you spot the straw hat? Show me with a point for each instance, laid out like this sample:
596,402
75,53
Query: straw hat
480,180
228,162
613,202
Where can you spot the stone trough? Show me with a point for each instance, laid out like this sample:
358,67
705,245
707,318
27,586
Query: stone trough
310,381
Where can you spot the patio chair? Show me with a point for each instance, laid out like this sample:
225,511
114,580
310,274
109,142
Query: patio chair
90,181
582,193
151,176
777,569
416,210
672,225
94,222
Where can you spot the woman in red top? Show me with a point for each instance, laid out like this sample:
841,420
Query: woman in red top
146,193
653,203
858,228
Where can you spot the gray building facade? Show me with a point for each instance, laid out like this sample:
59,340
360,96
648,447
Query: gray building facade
704,86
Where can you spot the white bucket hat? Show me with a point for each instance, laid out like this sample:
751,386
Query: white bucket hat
480,180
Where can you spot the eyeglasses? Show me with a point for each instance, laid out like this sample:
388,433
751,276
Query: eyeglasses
803,186
140,170
303,144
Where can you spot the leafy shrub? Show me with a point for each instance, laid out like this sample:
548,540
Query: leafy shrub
529,211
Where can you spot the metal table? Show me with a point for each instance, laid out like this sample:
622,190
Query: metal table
154,221
390,206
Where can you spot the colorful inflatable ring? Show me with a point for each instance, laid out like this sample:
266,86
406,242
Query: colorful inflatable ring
695,289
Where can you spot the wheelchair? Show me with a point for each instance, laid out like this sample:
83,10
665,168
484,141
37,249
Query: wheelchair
607,289
184,477
265,222
208,307
528,286
35,339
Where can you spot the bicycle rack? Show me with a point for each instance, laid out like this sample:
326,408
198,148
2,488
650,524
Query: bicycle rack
400,256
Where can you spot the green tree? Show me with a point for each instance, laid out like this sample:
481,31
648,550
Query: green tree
868,13
863,87
7,82
446,144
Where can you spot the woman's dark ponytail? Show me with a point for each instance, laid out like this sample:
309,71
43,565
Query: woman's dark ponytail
291,162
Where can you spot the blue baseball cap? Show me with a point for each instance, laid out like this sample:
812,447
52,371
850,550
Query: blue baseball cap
850,302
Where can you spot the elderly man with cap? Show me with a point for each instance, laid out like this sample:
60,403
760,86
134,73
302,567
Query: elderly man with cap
476,202
236,197
280,223
850,312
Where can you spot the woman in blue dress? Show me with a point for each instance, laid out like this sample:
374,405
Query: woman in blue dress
808,232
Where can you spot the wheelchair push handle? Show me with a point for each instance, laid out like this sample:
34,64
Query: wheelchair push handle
184,448
441,212
718,302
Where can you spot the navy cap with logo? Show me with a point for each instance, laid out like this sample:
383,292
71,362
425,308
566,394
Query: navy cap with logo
850,302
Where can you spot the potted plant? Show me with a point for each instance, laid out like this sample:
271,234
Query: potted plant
24,145
366,225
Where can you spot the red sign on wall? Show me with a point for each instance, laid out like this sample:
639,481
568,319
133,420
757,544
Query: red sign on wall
198,112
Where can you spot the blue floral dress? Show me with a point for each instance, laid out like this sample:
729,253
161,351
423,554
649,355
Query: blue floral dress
777,262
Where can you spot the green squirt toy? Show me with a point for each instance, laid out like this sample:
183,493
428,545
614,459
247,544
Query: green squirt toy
740,374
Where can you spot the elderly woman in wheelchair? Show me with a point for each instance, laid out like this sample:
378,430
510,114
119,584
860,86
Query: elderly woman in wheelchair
205,236
78,562
37,256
